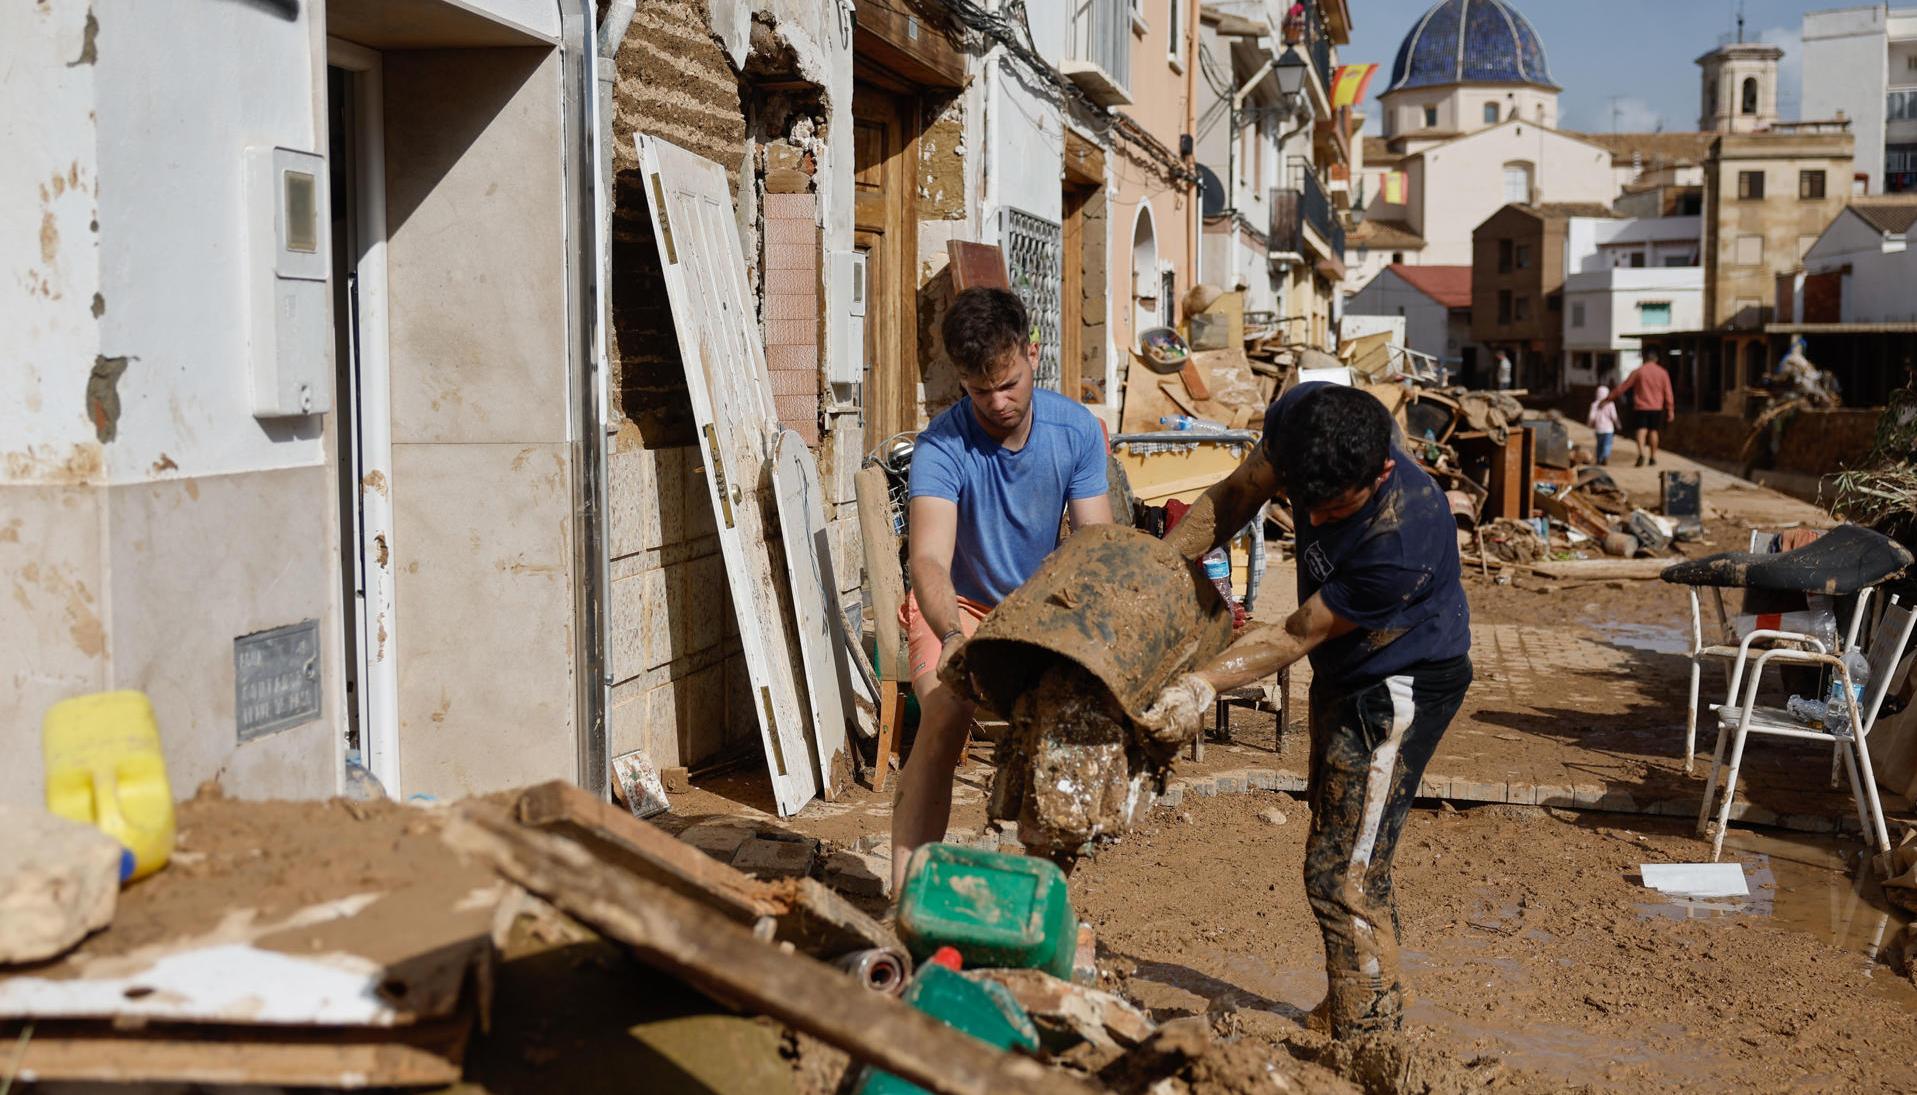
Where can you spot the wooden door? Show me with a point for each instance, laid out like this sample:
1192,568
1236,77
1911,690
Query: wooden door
1071,292
690,199
884,144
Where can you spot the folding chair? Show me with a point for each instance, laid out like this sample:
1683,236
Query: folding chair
1885,654
1847,560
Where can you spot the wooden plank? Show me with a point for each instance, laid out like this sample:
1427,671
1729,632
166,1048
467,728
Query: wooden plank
807,914
1193,376
1602,569
881,543
977,264
898,40
411,1056
644,849
1173,391
667,931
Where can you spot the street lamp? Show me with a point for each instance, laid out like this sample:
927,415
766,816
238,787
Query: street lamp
1291,72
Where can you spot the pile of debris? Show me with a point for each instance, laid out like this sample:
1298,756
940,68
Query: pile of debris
348,944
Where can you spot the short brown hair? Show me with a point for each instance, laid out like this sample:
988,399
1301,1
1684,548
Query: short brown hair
982,326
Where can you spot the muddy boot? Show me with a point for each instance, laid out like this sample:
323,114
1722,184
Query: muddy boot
1319,1021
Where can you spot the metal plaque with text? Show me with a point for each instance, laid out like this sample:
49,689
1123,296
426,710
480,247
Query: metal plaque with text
276,679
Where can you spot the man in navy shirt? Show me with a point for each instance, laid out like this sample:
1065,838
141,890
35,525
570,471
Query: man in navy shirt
990,478
1383,618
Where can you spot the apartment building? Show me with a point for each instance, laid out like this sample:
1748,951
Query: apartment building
1860,63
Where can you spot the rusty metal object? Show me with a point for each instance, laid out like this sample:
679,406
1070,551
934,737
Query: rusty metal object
1119,602
881,969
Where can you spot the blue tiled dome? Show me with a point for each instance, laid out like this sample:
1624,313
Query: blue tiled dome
1470,42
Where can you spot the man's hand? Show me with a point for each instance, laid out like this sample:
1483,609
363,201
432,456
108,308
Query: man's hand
948,646
1174,717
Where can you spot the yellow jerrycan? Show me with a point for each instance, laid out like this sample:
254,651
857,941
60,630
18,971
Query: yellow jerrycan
105,768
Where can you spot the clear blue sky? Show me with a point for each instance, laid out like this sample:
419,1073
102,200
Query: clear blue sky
1642,52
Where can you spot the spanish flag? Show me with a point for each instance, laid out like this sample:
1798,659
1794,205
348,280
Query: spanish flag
1394,187
1348,86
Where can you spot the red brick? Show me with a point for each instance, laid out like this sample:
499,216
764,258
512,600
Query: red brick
792,332
783,305
792,256
791,359
789,383
790,205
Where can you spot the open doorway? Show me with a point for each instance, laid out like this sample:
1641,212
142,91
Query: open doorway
362,422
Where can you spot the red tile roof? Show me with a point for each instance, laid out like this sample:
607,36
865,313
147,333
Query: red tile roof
1448,285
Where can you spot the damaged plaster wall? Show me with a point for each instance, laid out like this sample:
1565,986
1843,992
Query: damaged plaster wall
684,74
52,630
146,518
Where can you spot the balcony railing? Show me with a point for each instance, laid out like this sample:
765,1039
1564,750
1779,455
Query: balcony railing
1102,36
1900,105
1305,204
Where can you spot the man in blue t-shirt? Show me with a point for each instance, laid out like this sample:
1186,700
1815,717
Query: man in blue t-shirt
1383,618
991,477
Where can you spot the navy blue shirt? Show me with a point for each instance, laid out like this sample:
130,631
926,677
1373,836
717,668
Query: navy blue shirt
1391,569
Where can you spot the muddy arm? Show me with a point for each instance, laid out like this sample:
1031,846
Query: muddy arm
1266,649
1225,506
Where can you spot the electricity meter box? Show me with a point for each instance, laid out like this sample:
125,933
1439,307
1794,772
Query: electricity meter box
845,296
288,329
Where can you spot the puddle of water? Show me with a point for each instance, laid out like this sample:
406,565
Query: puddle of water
1803,883
1655,638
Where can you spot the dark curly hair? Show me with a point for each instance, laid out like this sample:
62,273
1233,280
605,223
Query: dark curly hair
982,326
1336,439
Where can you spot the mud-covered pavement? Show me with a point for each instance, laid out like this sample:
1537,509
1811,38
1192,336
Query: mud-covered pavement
1528,940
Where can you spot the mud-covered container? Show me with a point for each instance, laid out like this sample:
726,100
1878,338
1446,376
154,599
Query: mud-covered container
1122,603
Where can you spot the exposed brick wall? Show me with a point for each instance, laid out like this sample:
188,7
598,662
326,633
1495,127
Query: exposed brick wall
673,81
792,310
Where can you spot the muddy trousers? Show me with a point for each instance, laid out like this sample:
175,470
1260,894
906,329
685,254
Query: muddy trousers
1369,748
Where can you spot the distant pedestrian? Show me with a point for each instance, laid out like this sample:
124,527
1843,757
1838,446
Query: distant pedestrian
1652,403
1504,372
1602,417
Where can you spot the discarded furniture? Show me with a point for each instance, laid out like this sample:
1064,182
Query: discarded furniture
1843,562
1886,651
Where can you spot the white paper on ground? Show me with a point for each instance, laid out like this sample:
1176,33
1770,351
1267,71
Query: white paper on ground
1696,879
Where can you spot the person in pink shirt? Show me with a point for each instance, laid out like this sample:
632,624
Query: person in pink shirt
1602,417
1652,403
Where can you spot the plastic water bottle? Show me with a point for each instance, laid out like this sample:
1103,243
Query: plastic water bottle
1838,704
1218,569
1187,422
1808,711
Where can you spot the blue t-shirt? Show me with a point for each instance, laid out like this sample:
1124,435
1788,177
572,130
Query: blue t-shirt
1391,569
1009,503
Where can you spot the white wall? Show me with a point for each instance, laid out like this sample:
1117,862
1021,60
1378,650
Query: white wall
1845,69
1610,300
1461,183
1600,243
1878,272
1424,318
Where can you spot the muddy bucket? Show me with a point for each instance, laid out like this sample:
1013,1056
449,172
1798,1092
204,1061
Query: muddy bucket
1121,603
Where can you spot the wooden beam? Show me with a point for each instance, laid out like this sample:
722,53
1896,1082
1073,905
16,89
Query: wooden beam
668,931
807,914
416,1055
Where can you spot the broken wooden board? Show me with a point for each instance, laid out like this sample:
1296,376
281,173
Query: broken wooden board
976,266
806,913
1194,379
1602,569
415,1056
813,583
880,541
666,930
690,200
1158,476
